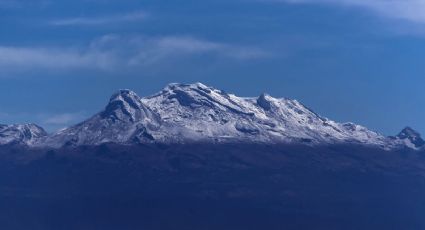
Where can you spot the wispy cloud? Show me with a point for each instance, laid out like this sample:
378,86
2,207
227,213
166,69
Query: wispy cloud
54,122
411,10
114,52
3,116
102,20
63,119
49,121
154,50
36,58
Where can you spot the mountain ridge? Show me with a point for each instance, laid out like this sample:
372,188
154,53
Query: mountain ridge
20,133
187,113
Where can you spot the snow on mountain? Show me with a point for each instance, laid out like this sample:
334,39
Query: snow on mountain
26,134
183,113
124,119
411,138
198,112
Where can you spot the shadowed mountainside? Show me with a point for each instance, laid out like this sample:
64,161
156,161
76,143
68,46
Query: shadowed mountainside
207,186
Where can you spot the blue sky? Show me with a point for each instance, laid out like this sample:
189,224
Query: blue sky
349,60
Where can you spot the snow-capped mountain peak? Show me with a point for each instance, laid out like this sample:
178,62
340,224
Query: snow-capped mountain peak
182,113
125,119
192,95
21,134
204,113
265,101
411,137
125,105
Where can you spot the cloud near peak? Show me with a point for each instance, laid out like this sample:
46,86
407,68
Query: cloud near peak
99,20
411,10
113,52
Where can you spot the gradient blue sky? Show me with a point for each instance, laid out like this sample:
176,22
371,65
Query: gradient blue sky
349,60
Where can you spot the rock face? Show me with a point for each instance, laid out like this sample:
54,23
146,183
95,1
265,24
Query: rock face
186,113
26,134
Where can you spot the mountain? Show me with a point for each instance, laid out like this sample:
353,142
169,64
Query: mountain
411,138
26,134
294,170
194,113
124,119
197,112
